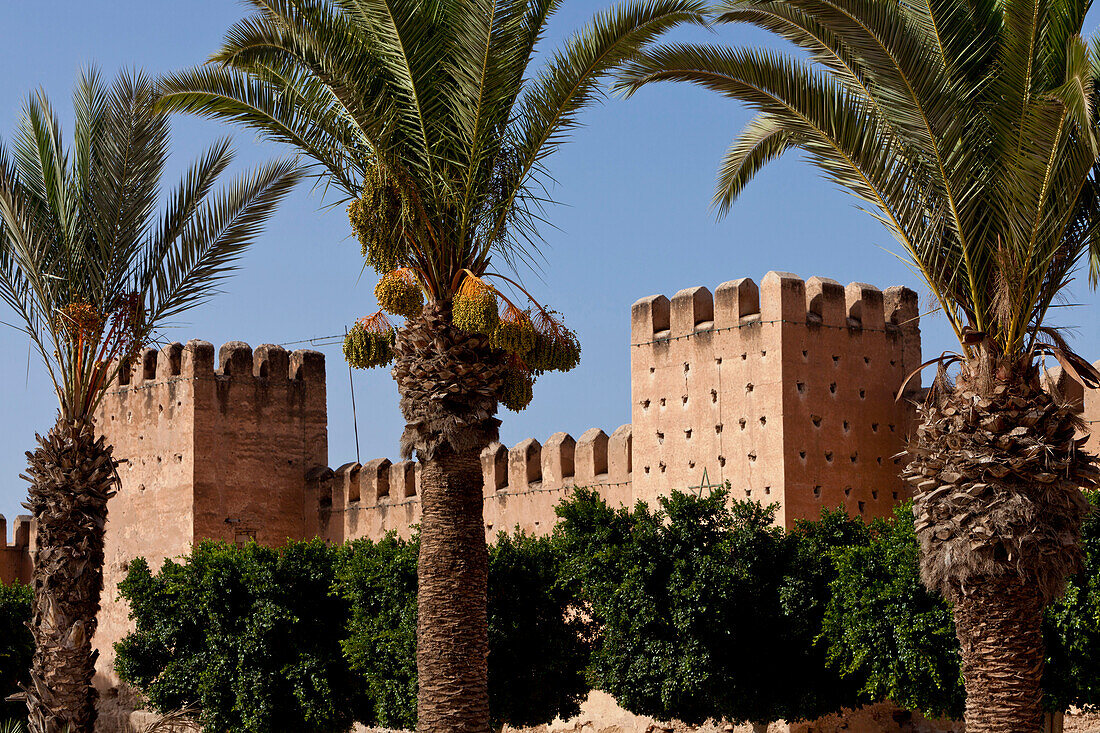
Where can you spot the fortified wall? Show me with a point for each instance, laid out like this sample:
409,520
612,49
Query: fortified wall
786,389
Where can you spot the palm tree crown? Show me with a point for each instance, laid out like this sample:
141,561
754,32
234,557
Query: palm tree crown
966,126
86,262
429,101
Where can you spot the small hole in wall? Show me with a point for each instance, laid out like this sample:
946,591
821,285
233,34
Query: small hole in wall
684,400
662,466
767,490
714,395
832,388
893,362
645,404
836,360
718,428
880,460
895,496
829,456
687,367
721,460
863,394
652,369
660,437
662,402
752,456
874,494
854,457
816,420
691,464
763,420
861,507
874,427
744,357
748,492
718,360
848,491
647,469
866,360
897,461
801,387
802,454
817,492
763,352
847,427
749,387
742,422
687,434
891,428
805,354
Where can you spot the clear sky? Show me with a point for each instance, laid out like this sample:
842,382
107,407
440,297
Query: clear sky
634,219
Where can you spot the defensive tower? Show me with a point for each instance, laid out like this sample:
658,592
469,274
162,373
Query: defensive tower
787,390
207,453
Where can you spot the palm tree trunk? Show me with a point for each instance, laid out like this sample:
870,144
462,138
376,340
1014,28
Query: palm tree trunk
449,381
998,472
452,641
999,622
72,476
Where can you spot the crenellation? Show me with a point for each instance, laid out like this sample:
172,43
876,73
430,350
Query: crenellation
648,318
591,456
374,481
689,309
169,362
865,307
345,485
494,468
735,302
271,362
149,364
235,360
198,360
558,459
402,481
825,299
524,465
782,298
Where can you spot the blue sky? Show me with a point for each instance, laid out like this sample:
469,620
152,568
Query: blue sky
633,219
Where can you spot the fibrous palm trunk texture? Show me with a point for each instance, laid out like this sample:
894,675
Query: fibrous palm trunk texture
449,381
72,475
998,473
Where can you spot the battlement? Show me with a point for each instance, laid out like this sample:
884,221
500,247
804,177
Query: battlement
769,386
236,361
780,298
522,485
15,556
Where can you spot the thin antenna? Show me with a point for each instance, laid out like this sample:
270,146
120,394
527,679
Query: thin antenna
354,418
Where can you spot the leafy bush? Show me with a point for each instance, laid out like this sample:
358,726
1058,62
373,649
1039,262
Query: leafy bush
1072,630
537,655
249,635
311,637
886,630
16,646
697,615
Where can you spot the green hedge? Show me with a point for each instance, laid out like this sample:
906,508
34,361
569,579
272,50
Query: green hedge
312,637
697,608
16,647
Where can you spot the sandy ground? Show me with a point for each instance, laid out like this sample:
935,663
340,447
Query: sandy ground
600,714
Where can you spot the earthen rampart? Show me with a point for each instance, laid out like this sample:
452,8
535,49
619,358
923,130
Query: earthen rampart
15,555
522,486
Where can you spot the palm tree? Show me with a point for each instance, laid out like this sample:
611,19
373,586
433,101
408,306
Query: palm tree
968,128
92,272
423,115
